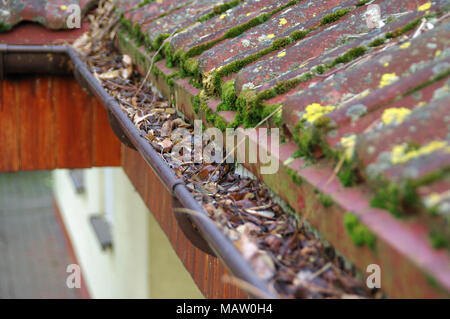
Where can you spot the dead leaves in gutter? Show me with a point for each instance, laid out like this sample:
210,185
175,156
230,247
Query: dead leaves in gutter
281,250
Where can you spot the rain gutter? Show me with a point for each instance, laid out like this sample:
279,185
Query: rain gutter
63,60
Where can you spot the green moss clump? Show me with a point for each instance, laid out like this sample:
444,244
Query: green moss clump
251,111
279,43
438,240
126,23
297,154
333,17
195,83
158,41
277,118
250,105
362,2
388,198
238,30
285,86
347,175
322,122
431,281
143,3
320,69
136,31
147,43
410,26
245,101
359,233
211,117
397,199
307,139
196,103
170,78
209,114
348,56
220,123
434,79
325,200
4,27
377,42
191,66
228,95
298,34
294,176
218,9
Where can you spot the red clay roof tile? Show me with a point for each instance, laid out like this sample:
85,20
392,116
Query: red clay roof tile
50,13
374,93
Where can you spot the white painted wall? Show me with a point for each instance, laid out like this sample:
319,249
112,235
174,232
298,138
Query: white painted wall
142,263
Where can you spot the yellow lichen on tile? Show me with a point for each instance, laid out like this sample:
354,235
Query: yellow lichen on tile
223,16
432,200
281,54
304,64
364,93
438,53
424,6
421,103
405,45
315,111
401,155
63,7
395,115
435,199
386,64
348,143
388,79
249,14
283,21
270,36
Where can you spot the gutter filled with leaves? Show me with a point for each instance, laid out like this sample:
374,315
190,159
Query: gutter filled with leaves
273,254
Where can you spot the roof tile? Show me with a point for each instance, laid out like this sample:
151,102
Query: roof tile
201,33
50,13
375,72
178,19
302,16
325,45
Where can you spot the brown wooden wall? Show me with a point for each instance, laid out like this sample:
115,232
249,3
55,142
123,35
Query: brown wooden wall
51,122
206,271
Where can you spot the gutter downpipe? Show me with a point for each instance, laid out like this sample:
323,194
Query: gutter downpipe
41,59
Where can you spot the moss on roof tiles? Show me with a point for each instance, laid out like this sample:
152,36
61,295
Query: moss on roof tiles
251,106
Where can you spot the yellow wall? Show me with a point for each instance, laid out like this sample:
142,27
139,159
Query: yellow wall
142,263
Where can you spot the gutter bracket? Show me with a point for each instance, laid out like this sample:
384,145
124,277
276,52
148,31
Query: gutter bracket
202,232
3,48
118,131
189,231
